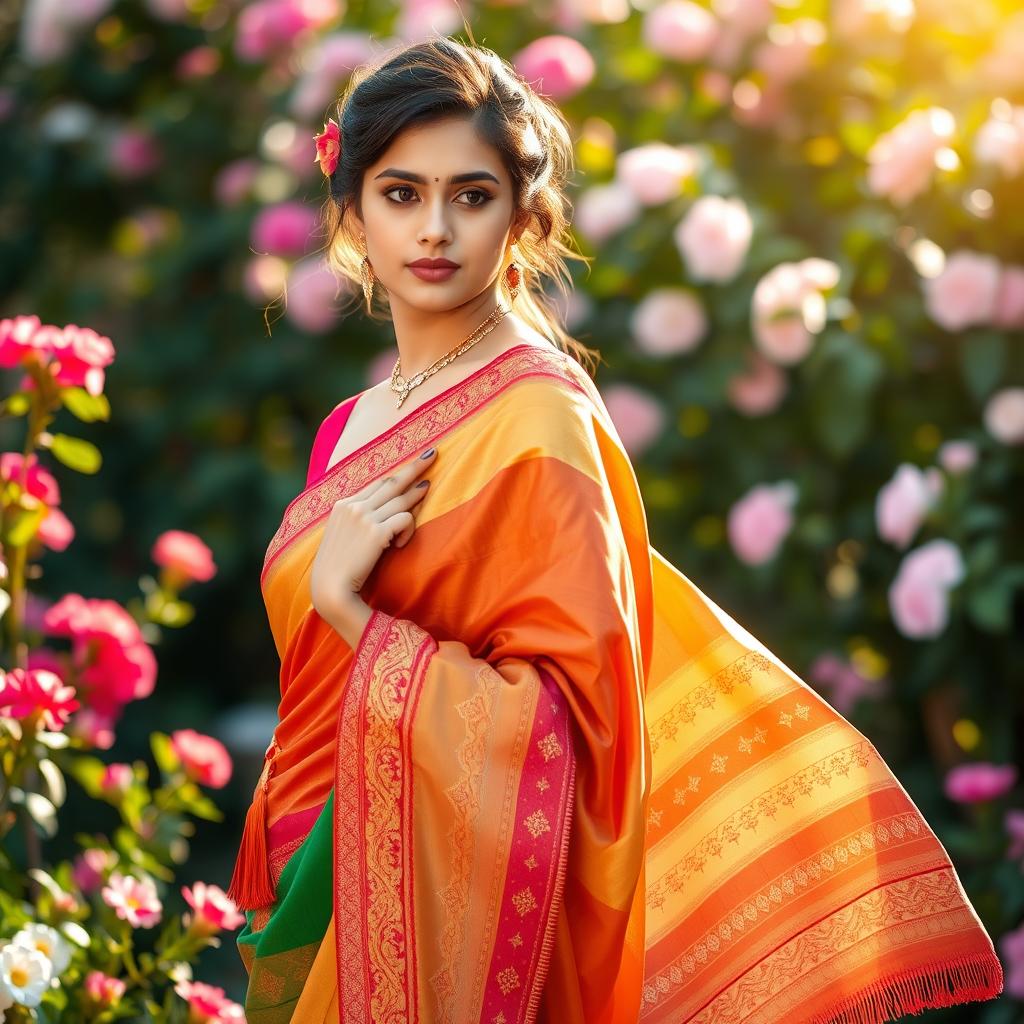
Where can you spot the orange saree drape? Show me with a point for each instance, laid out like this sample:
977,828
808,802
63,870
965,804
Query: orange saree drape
554,781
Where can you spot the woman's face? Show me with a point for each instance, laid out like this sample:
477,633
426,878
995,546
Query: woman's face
437,192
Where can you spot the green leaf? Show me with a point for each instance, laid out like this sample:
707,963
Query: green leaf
990,605
163,753
76,453
86,407
18,404
53,740
203,807
56,789
42,812
88,771
76,933
845,375
982,361
24,523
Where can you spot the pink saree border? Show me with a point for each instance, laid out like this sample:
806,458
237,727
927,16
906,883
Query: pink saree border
535,876
373,874
423,425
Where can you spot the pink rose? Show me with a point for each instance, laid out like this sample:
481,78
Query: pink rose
760,389
115,664
636,414
325,66
788,308
1011,946
313,291
214,911
264,278
958,457
981,780
39,482
268,27
964,293
919,594
81,357
1000,140
1013,822
234,181
55,531
207,1003
184,555
556,66
20,337
758,522
102,989
789,50
1004,415
88,868
903,160
655,172
668,321
94,729
285,229
844,683
204,758
713,238
24,692
133,900
1009,304
902,504
133,153
116,779
604,210
680,30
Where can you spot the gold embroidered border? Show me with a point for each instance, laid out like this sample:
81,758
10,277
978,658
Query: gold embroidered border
887,833
818,773
477,713
878,924
422,425
705,697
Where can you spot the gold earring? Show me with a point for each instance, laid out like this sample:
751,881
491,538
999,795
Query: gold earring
366,274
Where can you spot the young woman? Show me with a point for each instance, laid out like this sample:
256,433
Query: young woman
525,770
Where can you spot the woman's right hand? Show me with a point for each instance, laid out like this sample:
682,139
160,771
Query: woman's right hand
360,528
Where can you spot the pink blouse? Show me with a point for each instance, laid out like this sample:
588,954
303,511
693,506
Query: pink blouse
326,438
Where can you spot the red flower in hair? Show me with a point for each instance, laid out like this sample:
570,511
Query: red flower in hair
328,147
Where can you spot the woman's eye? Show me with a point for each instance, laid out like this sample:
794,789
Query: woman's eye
484,197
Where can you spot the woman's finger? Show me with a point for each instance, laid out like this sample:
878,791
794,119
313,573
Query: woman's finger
400,502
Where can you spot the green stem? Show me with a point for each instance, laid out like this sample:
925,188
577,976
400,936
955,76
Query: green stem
128,956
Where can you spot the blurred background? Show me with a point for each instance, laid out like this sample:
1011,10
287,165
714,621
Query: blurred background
806,225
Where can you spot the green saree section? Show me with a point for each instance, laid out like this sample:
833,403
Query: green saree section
280,954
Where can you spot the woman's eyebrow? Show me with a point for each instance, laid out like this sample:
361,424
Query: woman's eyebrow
455,179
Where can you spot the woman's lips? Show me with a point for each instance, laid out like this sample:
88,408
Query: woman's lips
433,273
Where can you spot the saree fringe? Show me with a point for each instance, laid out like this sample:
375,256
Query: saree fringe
251,886
924,988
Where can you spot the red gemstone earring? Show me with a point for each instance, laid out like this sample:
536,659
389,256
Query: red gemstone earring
512,278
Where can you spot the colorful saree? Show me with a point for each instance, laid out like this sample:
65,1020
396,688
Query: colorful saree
554,781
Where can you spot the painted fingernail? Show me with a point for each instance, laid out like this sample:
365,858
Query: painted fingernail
427,453
423,483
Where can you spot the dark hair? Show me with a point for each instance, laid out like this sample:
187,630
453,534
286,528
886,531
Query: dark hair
442,78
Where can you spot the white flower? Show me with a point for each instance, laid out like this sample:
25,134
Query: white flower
24,973
49,942
6,1001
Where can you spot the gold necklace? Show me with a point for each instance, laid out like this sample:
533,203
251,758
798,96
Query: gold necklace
401,387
